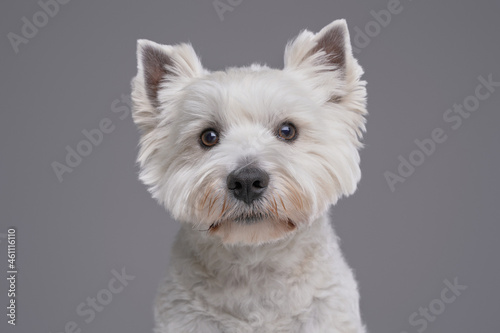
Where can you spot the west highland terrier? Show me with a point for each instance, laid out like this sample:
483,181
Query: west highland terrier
249,160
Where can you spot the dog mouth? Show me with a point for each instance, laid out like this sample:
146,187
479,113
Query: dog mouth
242,219
251,219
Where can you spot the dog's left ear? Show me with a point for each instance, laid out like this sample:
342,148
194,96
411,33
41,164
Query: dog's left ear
326,60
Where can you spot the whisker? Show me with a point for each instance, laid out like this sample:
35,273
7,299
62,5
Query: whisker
205,198
299,198
275,208
197,225
284,208
223,207
293,197
211,205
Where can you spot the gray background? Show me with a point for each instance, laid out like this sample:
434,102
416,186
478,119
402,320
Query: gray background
441,223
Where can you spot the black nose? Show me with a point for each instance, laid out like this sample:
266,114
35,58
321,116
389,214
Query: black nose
247,184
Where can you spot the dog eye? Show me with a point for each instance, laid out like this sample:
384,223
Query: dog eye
209,138
287,131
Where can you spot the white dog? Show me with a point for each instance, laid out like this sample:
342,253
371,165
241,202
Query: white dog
249,160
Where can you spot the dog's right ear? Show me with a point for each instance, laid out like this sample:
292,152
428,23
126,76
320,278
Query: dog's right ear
161,71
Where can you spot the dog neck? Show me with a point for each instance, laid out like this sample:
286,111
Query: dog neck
224,262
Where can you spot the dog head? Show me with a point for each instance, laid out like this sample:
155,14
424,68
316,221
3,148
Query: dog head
251,154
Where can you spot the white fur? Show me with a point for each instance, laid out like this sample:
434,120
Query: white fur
286,272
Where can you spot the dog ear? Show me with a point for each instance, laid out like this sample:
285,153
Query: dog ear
326,48
325,58
161,70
